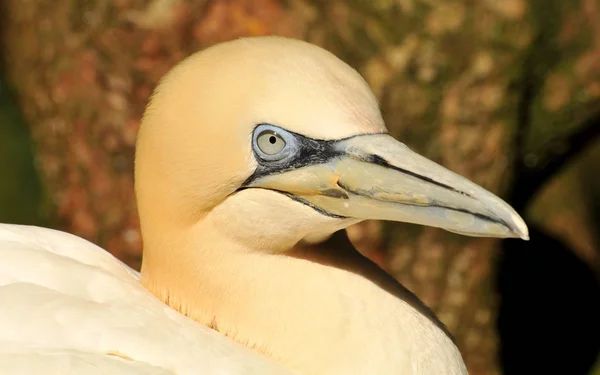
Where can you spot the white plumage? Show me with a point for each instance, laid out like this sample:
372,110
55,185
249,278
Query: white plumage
69,307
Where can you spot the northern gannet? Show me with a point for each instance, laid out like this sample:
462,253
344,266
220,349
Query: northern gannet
245,149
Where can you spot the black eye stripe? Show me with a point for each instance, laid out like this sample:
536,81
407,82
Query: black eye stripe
310,152
306,151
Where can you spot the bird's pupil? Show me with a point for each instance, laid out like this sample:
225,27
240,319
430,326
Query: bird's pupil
272,139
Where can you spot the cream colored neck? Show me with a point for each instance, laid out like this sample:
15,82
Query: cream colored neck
314,309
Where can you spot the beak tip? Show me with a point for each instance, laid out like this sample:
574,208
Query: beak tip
521,229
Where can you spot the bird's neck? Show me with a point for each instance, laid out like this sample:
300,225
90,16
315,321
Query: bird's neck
314,309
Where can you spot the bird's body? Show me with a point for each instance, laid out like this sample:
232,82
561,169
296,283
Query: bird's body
67,307
245,150
86,310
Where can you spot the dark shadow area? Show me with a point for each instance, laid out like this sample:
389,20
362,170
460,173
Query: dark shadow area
549,312
549,315
21,193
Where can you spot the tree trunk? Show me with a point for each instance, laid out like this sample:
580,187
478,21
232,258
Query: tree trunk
453,78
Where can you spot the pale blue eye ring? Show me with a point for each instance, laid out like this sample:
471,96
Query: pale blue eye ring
271,143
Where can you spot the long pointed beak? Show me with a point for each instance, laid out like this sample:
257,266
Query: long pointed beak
376,177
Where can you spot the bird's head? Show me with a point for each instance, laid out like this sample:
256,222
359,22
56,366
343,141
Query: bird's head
279,140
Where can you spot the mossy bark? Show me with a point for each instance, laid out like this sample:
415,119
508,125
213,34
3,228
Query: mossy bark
451,77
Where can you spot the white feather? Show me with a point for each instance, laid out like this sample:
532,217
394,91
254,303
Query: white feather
69,307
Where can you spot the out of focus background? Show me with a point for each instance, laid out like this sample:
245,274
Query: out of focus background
504,92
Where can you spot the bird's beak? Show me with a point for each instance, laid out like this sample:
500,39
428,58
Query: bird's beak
376,177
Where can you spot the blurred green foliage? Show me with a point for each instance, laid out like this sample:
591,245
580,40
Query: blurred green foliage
21,194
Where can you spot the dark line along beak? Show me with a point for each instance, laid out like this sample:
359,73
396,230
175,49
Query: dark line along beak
376,177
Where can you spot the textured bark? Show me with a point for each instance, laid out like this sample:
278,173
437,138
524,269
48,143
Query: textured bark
453,78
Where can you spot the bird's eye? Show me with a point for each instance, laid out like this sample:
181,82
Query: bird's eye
273,144
270,142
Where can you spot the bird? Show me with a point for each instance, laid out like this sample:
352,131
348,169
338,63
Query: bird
252,157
